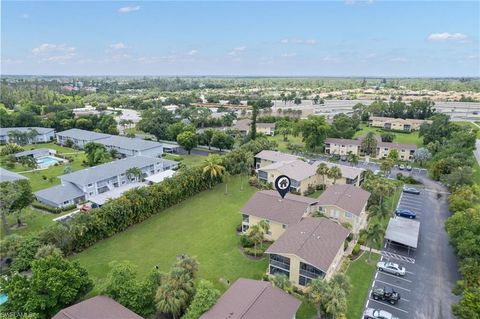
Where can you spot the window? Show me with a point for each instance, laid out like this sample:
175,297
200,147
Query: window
90,185
280,261
348,215
91,193
284,226
303,281
310,271
66,202
245,218
277,271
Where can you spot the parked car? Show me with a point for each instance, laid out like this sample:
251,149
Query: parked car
401,167
392,268
411,190
343,158
386,294
405,213
409,168
379,173
372,313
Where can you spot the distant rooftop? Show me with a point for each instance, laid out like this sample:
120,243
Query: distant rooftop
40,130
128,143
79,134
275,156
7,176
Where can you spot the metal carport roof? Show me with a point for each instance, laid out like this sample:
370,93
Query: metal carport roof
403,231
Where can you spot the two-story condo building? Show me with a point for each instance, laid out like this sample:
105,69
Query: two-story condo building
278,212
43,134
344,146
124,146
312,248
244,126
347,204
7,176
396,124
268,157
86,183
254,299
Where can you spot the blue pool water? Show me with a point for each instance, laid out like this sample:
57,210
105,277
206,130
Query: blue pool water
46,161
3,299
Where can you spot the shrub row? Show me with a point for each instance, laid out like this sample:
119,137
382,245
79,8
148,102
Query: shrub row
52,209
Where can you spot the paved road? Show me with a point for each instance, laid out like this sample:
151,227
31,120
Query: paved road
431,269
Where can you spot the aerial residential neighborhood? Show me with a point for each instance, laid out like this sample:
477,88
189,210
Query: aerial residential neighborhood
240,160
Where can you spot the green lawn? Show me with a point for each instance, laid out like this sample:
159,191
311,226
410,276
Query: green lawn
203,226
403,138
35,220
282,145
190,160
476,173
361,275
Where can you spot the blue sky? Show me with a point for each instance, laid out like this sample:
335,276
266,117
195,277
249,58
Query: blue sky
337,38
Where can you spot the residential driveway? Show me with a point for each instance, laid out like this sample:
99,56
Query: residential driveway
431,270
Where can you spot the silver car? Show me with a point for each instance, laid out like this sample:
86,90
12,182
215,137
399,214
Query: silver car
371,313
390,267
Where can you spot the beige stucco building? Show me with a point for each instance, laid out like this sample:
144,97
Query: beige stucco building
347,204
396,124
312,248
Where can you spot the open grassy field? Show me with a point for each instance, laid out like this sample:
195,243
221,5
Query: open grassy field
403,138
203,226
361,274
282,145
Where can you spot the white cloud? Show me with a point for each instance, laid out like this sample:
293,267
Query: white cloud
399,59
25,16
237,50
54,52
118,46
192,52
445,36
353,2
299,41
288,55
128,9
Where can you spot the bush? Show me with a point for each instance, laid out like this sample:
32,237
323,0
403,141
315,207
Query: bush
356,250
44,177
11,148
407,179
245,242
239,228
51,209
345,263
350,237
254,182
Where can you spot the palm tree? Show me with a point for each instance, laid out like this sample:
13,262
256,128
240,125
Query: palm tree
29,161
134,173
170,299
317,292
334,173
189,264
341,280
226,179
67,169
255,235
352,158
379,210
281,281
336,303
374,234
212,168
322,169
245,166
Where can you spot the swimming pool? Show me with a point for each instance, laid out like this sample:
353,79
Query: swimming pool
46,161
3,299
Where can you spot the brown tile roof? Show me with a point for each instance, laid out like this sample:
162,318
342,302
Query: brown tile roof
348,197
397,146
97,307
275,156
297,169
269,205
315,240
244,125
253,299
343,141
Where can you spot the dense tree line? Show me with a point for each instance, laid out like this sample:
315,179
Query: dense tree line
418,109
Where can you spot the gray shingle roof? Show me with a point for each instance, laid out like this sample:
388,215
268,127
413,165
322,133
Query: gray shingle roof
129,143
97,307
107,170
269,205
348,197
315,240
7,176
82,134
33,152
253,299
275,156
40,130
60,193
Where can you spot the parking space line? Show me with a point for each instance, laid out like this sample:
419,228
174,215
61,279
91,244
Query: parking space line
409,272
388,305
387,283
398,277
403,299
388,254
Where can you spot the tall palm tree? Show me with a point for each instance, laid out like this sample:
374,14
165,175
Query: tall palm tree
317,292
322,170
336,304
374,234
134,172
226,180
334,173
341,280
256,235
170,299
281,281
245,167
379,210
212,168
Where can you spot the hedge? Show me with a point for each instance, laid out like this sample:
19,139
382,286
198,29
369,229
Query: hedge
52,209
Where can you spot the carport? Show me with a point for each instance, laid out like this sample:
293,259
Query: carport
403,232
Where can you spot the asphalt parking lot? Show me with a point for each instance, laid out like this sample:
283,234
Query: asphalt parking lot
425,289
